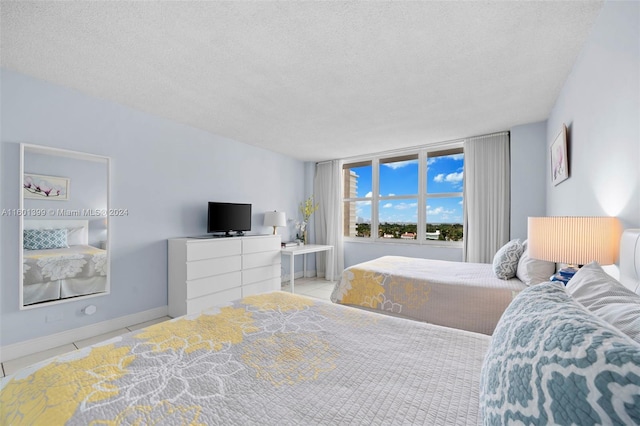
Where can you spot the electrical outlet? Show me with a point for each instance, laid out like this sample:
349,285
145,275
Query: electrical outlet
54,317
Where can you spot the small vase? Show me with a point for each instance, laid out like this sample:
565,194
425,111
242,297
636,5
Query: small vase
304,238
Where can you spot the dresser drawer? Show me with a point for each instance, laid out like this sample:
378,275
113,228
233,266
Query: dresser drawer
205,249
220,298
256,260
260,274
213,284
261,287
256,245
209,267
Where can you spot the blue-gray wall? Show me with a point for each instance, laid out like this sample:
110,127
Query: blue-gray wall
162,172
528,177
600,105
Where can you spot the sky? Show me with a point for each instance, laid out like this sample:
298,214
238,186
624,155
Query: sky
444,175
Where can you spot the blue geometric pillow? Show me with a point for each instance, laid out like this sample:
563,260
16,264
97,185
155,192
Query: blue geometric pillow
42,239
552,362
505,261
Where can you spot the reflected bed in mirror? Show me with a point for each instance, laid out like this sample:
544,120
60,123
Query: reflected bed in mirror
64,231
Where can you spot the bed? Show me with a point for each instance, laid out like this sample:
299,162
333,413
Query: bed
61,263
461,295
284,359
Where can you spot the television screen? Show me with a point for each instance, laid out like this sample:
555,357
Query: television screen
228,217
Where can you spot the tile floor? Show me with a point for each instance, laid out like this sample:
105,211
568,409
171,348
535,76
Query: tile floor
312,287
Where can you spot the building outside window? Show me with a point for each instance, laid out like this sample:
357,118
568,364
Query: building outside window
413,196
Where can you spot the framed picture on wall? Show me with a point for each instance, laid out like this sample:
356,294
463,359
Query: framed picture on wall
559,160
42,187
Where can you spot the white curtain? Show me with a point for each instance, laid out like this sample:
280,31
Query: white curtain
327,191
486,196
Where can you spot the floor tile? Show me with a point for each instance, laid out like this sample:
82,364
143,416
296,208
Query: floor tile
14,365
323,293
147,323
97,339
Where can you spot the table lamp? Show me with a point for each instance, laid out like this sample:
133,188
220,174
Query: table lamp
275,219
574,240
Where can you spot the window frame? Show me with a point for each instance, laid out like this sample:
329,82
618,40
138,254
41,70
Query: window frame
376,161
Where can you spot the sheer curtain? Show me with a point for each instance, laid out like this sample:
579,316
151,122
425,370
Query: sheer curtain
327,191
486,196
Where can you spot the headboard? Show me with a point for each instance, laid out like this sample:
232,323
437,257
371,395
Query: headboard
83,233
630,259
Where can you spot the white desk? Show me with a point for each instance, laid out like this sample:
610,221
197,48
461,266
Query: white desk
292,252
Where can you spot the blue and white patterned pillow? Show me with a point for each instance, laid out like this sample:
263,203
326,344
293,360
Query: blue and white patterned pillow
505,262
552,362
42,239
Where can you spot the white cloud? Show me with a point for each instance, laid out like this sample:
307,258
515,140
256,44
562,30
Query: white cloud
387,206
439,211
450,178
405,206
400,164
369,194
454,177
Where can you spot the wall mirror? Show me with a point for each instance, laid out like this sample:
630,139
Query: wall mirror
64,225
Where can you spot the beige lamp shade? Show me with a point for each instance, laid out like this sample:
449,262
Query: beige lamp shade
574,240
275,219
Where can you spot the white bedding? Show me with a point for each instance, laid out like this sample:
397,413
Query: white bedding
466,296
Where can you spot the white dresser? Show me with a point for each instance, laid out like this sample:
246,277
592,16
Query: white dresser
207,272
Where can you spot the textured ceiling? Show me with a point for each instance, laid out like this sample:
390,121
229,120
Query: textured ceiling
313,80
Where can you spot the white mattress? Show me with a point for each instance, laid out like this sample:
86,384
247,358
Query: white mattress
466,296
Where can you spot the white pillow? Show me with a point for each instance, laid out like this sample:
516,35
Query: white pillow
533,271
75,236
505,262
606,298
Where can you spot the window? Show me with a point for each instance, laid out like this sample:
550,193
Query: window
443,201
357,199
392,197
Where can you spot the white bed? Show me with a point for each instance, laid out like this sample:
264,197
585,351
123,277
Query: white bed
59,273
467,296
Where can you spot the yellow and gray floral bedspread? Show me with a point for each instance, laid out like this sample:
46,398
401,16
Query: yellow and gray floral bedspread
275,358
81,261
467,296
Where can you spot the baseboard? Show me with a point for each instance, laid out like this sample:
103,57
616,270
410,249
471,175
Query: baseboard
40,344
286,278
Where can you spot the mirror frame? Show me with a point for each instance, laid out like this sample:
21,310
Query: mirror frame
41,149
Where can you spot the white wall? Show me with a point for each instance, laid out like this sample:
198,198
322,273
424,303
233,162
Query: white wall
600,105
162,172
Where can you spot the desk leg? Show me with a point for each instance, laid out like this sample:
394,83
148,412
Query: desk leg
292,271
304,266
332,264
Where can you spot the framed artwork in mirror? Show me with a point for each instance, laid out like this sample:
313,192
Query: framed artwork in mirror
45,187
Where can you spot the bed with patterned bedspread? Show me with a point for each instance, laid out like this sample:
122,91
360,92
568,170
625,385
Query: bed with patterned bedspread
466,296
282,359
269,359
58,273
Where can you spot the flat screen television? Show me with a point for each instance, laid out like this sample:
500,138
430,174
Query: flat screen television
228,218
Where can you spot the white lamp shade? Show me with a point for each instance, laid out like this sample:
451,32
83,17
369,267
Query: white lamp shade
574,240
275,219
